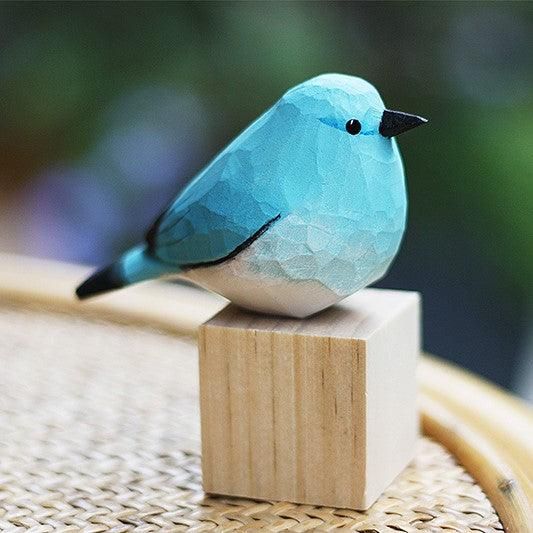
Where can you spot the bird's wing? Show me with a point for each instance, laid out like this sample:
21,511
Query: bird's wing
221,212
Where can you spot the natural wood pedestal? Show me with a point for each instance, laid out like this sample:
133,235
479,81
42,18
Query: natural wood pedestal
319,411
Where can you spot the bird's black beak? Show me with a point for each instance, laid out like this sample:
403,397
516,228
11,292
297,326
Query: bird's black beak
395,122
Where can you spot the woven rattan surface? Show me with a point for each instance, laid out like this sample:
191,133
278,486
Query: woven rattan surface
99,432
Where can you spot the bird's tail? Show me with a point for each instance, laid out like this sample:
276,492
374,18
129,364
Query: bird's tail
134,266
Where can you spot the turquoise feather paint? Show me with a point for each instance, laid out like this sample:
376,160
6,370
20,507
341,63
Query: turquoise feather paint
339,201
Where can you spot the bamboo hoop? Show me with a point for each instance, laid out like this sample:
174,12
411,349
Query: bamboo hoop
505,486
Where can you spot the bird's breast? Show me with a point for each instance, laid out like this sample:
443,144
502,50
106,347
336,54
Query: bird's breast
305,262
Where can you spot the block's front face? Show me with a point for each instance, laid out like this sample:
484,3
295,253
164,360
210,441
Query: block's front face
283,417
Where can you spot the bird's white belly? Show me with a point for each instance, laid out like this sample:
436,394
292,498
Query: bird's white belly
234,281
300,266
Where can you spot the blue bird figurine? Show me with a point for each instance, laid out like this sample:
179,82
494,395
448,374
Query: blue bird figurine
305,207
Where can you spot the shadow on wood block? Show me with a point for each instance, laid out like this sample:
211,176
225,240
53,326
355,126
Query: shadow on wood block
320,410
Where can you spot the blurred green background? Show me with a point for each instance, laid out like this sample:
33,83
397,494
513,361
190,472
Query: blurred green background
108,108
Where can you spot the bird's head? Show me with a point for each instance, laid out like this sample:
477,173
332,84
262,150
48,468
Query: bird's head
350,105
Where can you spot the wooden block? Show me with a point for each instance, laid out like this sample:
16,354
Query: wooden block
320,410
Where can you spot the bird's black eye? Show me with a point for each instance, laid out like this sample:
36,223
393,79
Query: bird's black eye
353,126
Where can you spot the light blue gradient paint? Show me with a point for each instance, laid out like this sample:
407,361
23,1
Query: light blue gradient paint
340,200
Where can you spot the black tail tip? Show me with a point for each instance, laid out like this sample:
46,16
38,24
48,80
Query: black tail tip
104,280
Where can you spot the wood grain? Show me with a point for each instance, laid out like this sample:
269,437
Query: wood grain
285,402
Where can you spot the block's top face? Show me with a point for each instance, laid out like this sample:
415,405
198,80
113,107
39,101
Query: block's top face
359,316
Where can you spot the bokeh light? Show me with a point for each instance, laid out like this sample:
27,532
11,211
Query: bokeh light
109,108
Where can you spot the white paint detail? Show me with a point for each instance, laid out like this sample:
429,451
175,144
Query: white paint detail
279,275
284,297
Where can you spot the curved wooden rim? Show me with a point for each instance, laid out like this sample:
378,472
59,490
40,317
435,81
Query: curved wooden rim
488,431
505,485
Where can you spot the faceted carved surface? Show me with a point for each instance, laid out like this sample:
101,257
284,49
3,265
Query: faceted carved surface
296,213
